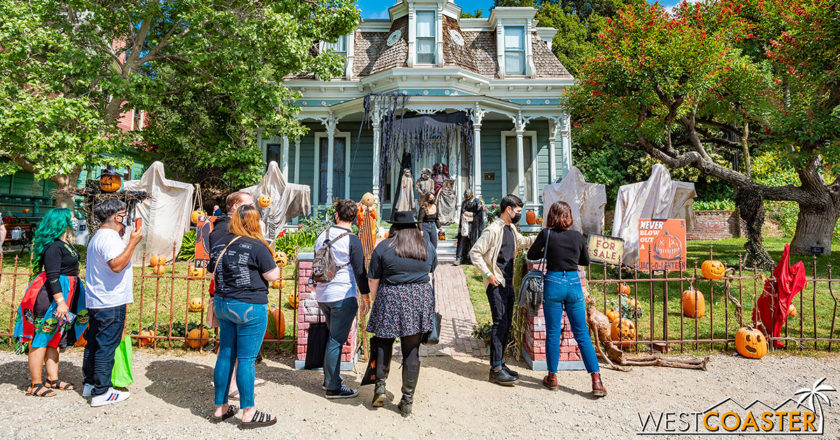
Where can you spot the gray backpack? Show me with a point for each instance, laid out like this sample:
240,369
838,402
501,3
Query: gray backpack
324,266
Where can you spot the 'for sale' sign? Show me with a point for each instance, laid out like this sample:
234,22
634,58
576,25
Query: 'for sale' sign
605,250
661,244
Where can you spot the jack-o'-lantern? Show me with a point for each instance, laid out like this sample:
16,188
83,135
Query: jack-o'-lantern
693,303
196,304
197,215
612,314
145,337
792,311
276,324
750,343
264,201
110,183
713,269
441,235
197,337
622,330
293,300
281,259
667,246
531,217
159,270
623,289
195,272
539,220
277,284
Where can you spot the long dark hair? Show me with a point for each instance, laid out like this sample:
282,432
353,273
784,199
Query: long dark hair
408,242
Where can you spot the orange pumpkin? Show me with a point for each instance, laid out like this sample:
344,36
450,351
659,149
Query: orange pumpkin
195,272
277,284
110,183
276,324
539,220
197,337
441,235
293,300
713,269
792,311
750,343
623,330
612,314
667,246
264,201
623,289
155,261
693,303
281,259
531,217
196,304
159,270
146,337
197,215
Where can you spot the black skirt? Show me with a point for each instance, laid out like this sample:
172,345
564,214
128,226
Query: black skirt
402,310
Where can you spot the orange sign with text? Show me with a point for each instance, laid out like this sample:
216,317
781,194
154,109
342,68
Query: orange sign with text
662,244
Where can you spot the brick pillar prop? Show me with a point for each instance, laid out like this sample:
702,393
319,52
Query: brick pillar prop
533,342
309,313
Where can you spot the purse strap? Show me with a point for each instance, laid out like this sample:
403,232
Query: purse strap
216,266
545,249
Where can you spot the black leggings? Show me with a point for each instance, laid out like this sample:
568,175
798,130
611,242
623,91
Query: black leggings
410,346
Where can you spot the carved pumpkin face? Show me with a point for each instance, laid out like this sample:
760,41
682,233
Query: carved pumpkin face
623,289
750,343
264,201
277,284
197,215
713,269
281,259
539,220
196,272
196,304
293,300
622,330
531,217
693,303
110,183
667,246
146,337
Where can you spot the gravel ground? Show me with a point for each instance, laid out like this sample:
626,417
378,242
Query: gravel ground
171,398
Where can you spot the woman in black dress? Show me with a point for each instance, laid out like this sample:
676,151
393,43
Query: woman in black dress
470,226
429,219
403,303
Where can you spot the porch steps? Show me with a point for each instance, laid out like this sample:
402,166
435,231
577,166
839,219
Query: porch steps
446,251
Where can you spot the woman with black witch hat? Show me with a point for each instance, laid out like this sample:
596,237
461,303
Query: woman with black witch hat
403,303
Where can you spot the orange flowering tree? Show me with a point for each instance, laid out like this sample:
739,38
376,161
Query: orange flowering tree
702,87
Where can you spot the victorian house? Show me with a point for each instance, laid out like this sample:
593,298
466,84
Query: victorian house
497,74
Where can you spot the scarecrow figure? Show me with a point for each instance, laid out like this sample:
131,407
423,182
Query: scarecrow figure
366,220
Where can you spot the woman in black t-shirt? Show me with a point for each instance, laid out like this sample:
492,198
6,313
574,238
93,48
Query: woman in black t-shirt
243,265
429,219
403,302
564,250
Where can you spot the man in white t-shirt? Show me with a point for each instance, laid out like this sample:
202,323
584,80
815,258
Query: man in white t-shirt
108,278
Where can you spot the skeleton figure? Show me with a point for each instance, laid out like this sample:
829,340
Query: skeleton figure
599,324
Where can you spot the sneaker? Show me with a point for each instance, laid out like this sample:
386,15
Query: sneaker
342,393
502,377
340,383
111,396
87,391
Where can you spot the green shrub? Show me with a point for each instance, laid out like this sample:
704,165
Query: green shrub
187,246
709,205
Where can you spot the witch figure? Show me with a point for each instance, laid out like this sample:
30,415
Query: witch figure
470,228
404,193
447,203
440,172
425,184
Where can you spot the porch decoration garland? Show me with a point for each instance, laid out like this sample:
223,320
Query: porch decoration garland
420,135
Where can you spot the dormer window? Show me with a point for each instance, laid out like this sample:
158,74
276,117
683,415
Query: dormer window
514,50
426,37
339,47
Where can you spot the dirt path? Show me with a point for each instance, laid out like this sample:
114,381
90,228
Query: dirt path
171,398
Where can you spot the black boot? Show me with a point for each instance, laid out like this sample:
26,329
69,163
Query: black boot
383,366
409,376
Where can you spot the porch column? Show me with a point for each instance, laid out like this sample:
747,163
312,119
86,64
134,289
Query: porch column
297,160
520,155
375,124
329,123
284,167
552,148
477,116
566,136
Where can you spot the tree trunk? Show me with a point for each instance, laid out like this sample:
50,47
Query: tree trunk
66,185
814,228
751,210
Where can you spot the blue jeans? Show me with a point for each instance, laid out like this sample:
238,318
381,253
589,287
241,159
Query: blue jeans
339,317
242,328
563,289
103,335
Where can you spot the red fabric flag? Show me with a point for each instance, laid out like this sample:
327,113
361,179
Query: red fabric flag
771,310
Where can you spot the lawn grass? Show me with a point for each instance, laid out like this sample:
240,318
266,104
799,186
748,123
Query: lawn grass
163,297
814,301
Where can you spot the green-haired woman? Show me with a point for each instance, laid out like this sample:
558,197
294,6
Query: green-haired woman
52,313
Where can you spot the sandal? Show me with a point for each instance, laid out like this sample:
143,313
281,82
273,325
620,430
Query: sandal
39,390
59,384
232,410
260,419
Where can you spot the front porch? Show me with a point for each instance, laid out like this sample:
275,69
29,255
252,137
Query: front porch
516,149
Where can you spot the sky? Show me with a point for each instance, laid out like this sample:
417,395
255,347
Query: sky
379,8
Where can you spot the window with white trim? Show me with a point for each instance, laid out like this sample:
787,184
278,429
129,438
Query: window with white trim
514,50
339,146
339,47
512,165
425,37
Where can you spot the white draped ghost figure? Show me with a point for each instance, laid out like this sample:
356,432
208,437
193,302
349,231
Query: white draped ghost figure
587,201
288,200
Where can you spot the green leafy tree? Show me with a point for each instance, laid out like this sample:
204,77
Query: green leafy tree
68,69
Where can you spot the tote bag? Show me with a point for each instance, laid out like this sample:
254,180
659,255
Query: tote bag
121,374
